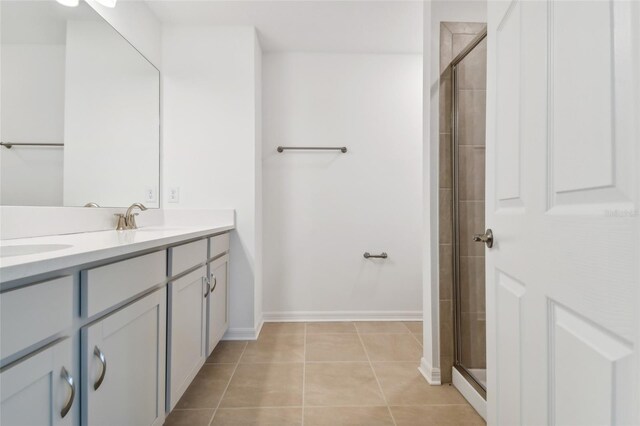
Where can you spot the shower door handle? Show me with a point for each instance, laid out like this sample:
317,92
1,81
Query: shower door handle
486,238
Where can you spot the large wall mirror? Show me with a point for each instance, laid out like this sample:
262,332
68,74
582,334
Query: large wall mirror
79,110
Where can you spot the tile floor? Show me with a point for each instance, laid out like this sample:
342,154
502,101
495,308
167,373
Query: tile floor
321,374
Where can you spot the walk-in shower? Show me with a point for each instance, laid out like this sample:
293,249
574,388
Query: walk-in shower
468,91
462,202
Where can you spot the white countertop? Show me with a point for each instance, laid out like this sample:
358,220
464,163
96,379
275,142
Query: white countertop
95,246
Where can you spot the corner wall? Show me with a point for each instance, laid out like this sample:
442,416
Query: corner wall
211,149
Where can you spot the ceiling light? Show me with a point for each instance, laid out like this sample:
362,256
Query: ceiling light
108,3
69,3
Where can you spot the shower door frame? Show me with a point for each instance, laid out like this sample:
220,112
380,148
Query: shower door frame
457,308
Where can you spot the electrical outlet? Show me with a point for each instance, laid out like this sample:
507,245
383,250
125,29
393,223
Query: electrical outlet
150,195
174,194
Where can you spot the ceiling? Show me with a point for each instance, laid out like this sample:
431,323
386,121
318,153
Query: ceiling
352,26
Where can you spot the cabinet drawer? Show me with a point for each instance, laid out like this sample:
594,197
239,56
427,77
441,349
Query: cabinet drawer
187,256
33,313
218,245
108,285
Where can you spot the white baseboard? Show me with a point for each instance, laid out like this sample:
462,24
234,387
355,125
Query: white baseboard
430,373
243,333
299,316
470,394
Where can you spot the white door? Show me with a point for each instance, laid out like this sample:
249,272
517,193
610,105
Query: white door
40,390
124,365
187,335
218,301
563,177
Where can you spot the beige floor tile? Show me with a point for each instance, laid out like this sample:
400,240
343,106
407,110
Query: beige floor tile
265,385
279,416
366,327
189,418
330,327
341,384
275,348
335,347
208,386
418,337
414,326
392,347
270,328
402,384
437,415
228,351
347,416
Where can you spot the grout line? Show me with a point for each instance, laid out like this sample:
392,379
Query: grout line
228,383
376,377
304,369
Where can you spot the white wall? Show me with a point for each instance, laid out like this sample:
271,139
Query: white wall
323,210
137,23
211,143
32,92
111,120
436,12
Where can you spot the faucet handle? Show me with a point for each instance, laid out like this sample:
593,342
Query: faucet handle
131,221
122,223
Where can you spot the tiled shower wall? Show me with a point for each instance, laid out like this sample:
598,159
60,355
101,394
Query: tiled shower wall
454,37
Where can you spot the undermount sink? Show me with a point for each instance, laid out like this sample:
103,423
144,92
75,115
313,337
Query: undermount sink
23,250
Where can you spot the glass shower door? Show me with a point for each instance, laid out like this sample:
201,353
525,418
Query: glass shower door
468,148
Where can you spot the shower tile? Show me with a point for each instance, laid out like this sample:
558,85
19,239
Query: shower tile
472,71
472,117
472,288
446,40
446,175
473,340
446,364
446,328
460,41
446,271
465,27
471,222
445,216
471,173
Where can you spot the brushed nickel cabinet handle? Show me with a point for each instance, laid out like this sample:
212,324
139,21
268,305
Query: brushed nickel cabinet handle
97,352
215,282
69,380
382,255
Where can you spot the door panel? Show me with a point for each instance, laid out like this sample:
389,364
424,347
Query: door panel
188,301
132,341
563,283
218,301
34,390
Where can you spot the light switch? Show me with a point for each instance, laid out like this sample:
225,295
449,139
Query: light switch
174,194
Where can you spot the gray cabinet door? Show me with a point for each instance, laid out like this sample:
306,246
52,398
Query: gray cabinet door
218,301
39,389
187,331
123,365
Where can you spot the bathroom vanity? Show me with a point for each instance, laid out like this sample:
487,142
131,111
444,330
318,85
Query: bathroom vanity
108,327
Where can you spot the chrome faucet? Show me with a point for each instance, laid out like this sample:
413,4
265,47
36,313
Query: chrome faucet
130,217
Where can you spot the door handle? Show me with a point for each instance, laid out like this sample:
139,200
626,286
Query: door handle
486,238
97,352
215,282
206,292
67,378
